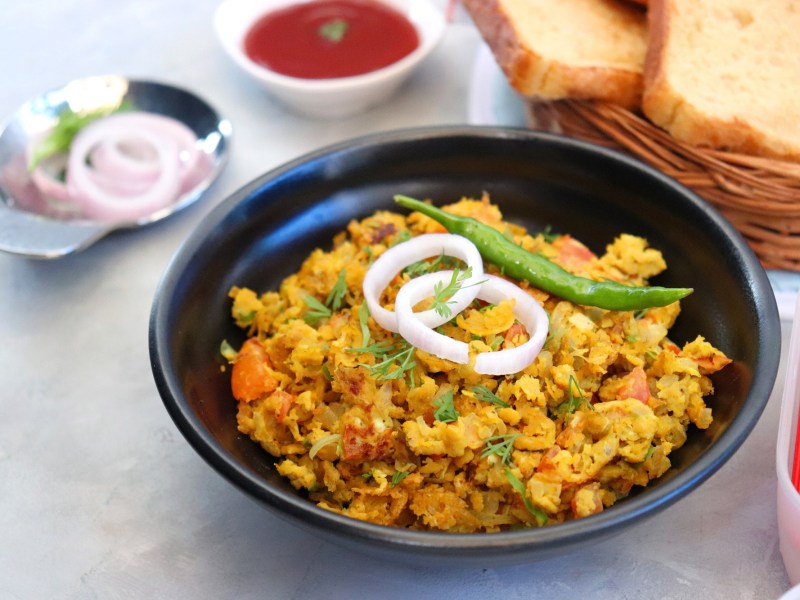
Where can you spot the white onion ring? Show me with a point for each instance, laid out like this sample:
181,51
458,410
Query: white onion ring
415,331
528,312
99,203
396,258
494,290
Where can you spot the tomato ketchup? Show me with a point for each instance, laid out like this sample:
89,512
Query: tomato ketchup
325,39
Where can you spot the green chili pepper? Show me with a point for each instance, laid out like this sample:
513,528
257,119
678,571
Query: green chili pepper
520,264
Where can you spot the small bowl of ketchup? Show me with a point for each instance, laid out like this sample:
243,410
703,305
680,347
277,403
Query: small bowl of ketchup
329,58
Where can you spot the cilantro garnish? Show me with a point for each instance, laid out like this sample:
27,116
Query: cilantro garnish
69,124
500,445
317,310
541,517
445,409
395,359
574,400
484,394
339,289
333,30
363,321
442,293
398,477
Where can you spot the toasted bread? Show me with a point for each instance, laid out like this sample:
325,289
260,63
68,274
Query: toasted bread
588,49
724,74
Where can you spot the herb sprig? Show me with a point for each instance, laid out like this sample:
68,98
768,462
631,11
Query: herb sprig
394,359
502,446
69,124
484,394
574,400
519,487
445,409
333,30
442,293
333,302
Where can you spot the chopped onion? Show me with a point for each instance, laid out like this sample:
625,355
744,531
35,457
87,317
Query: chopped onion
396,258
494,290
322,442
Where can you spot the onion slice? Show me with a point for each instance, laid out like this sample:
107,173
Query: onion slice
494,290
396,258
528,312
412,327
102,204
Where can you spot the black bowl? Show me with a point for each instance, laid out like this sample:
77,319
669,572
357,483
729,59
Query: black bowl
263,232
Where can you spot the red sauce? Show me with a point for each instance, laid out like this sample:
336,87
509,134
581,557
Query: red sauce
324,39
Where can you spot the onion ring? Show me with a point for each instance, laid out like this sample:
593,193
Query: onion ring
129,158
99,203
528,312
493,289
396,258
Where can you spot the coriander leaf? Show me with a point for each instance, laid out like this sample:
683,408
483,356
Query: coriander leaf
317,310
500,445
333,30
394,359
484,394
335,296
573,401
445,409
363,320
442,293
401,236
69,124
541,517
398,477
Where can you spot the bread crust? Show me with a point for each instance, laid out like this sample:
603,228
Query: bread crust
681,115
538,77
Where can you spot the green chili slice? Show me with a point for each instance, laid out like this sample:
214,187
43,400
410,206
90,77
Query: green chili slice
520,264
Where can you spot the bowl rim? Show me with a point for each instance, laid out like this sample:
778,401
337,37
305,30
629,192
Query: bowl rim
544,539
426,18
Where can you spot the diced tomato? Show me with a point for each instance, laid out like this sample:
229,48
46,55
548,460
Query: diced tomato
285,401
571,252
252,376
634,385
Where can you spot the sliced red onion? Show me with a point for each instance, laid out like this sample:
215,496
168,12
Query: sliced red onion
132,159
46,178
396,258
98,202
494,290
125,158
126,166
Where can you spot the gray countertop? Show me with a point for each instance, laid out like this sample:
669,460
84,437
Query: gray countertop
101,497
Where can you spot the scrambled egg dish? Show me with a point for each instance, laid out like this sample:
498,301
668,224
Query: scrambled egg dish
373,428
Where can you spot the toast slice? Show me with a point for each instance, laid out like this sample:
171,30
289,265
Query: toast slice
551,49
724,74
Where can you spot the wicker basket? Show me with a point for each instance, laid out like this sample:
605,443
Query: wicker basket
759,196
